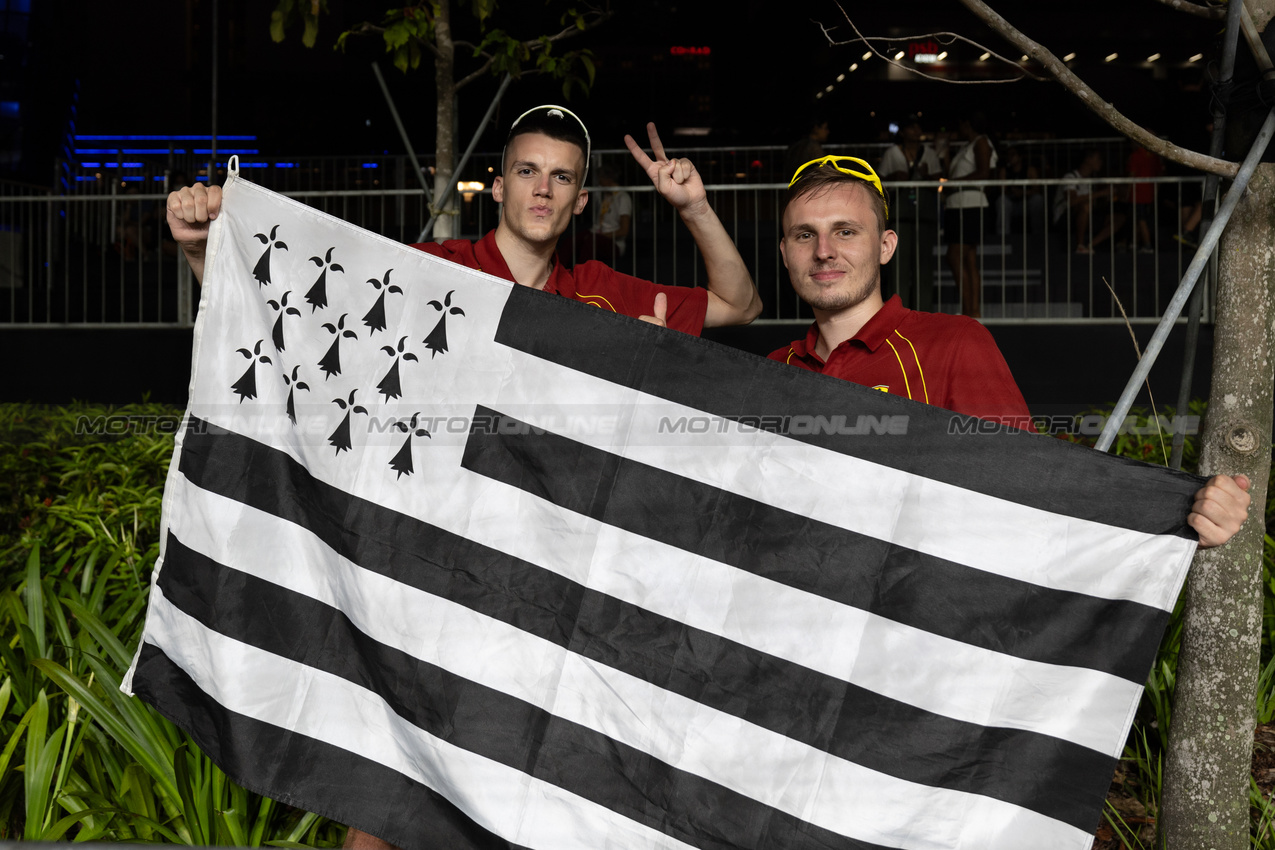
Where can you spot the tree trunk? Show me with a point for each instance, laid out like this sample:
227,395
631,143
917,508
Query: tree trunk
1204,803
445,117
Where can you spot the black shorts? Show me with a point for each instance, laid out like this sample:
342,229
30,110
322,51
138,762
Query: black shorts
965,225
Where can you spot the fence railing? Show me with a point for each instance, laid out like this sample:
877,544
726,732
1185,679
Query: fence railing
109,261
103,171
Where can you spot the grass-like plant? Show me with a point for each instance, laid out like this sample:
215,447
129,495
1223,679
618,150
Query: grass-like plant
79,535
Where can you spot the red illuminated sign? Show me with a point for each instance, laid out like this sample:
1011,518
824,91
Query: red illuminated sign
922,47
690,51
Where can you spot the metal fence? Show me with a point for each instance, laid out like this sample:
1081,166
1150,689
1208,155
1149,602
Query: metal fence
108,260
106,171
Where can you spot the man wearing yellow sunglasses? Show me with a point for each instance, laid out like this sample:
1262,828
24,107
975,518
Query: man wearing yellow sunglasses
834,242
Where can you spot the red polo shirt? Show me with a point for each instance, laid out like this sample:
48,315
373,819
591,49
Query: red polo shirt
592,283
947,361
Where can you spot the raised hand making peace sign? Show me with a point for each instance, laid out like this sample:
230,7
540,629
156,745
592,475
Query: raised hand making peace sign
732,297
675,179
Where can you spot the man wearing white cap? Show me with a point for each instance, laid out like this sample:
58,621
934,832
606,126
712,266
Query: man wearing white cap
540,188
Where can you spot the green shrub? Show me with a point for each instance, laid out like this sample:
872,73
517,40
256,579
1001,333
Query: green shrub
79,535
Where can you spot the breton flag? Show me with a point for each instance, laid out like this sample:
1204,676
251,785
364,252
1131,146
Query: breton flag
464,564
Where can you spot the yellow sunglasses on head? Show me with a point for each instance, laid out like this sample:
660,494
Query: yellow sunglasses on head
867,174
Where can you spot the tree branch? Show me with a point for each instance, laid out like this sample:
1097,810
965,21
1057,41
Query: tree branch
592,19
481,70
1213,13
1106,111
944,38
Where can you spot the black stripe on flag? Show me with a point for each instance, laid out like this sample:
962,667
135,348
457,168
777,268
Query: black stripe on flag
373,797
993,612
732,384
479,719
819,710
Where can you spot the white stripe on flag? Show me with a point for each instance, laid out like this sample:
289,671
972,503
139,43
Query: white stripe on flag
940,675
805,782
965,526
255,683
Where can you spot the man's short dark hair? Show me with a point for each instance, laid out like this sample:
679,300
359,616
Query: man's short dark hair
556,122
824,179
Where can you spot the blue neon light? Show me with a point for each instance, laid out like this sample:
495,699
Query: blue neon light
285,165
371,165
117,151
111,138
228,151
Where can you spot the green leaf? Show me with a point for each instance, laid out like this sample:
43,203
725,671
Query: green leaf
276,26
311,31
55,832
20,674
35,780
61,629
35,600
265,809
136,742
397,36
303,826
586,59
115,649
233,820
12,744
194,822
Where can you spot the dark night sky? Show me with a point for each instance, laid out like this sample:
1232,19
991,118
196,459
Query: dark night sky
147,71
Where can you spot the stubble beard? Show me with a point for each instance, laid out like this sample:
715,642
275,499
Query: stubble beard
833,300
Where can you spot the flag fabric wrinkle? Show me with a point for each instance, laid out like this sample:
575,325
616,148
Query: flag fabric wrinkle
570,580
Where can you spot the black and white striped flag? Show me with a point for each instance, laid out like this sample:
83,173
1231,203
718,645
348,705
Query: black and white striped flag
464,564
